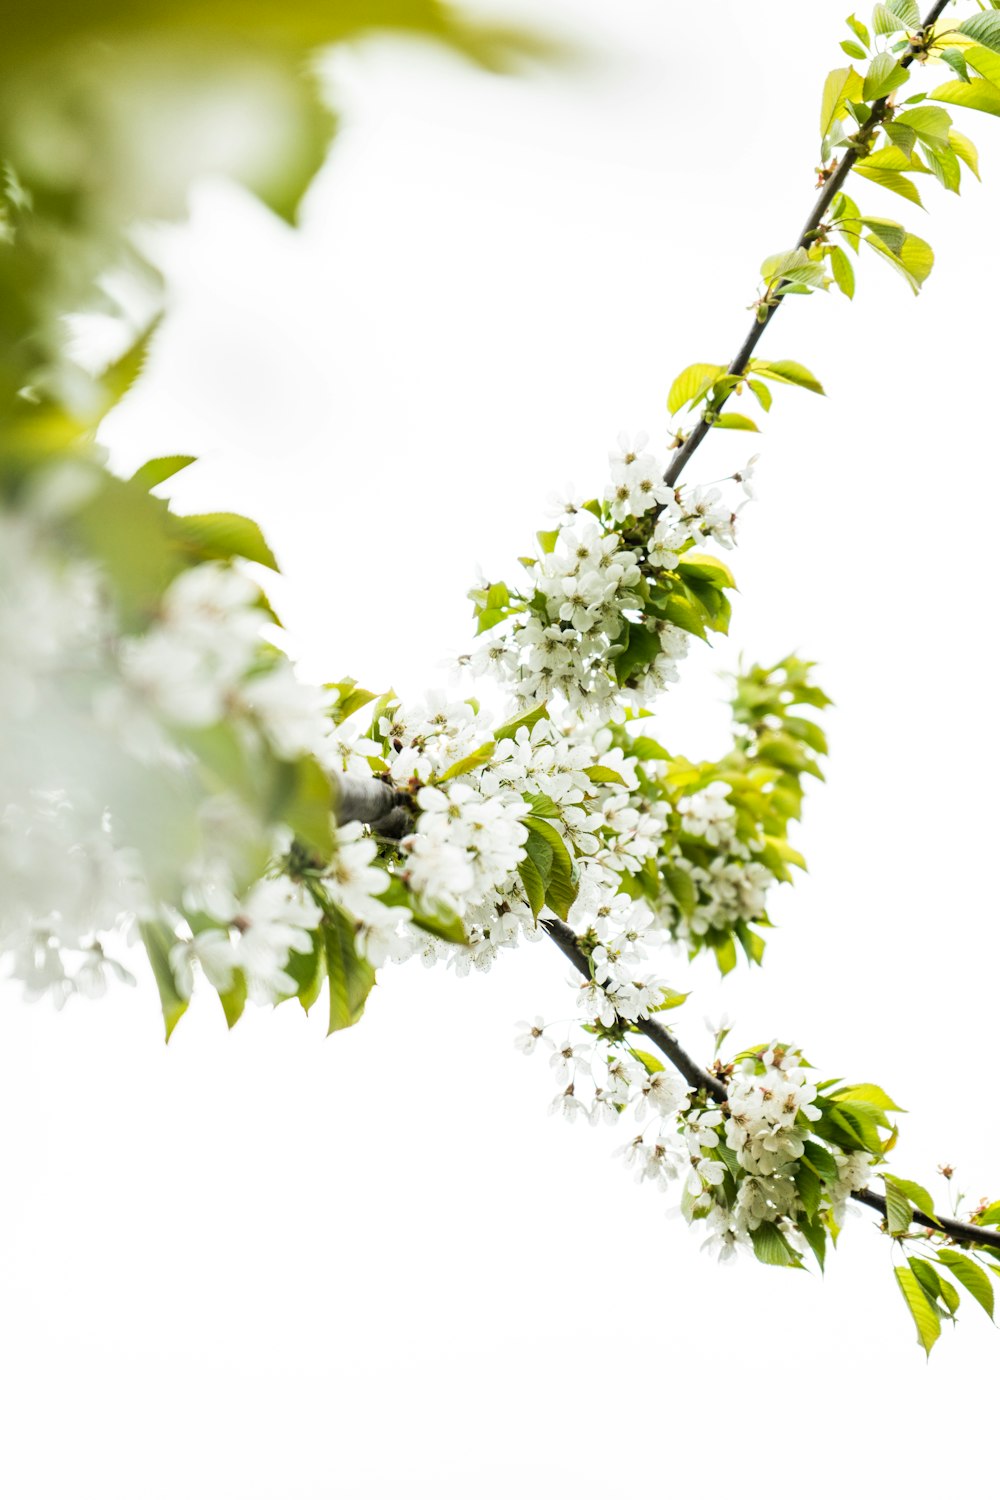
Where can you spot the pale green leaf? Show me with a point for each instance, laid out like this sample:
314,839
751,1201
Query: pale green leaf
925,1315
965,150
158,940
884,74
158,470
975,95
840,86
691,384
894,182
843,271
736,422
788,372
471,762
971,1276
869,1093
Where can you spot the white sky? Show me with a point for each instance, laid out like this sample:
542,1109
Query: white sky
268,1266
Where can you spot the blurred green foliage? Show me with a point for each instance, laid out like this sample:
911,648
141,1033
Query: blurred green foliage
109,111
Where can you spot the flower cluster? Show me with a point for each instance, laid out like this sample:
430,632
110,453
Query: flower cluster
761,1168
615,595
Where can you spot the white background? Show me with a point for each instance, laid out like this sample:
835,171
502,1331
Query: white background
268,1266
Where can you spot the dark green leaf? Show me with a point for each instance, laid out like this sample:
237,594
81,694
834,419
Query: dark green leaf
770,1246
351,976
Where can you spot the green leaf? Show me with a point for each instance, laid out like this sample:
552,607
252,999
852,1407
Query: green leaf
945,166
840,86
649,1062
843,271
120,376
508,729
927,121
884,74
854,50
351,976
605,776
481,756
917,1195
681,887
893,181
898,1212
692,384
925,1315
703,566
788,372
984,29
560,884
914,261
542,805
971,1276
868,1093
234,999
350,698
860,30
222,535
810,1190
724,948
821,1161
888,19
975,95
308,970
642,647
433,917
762,393
159,470
903,142
983,61
751,942
735,421
547,541
771,1247
814,1235
926,1275
955,59
158,940
534,887
965,150
794,266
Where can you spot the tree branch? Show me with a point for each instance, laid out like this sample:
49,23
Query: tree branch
830,190
362,799
568,944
